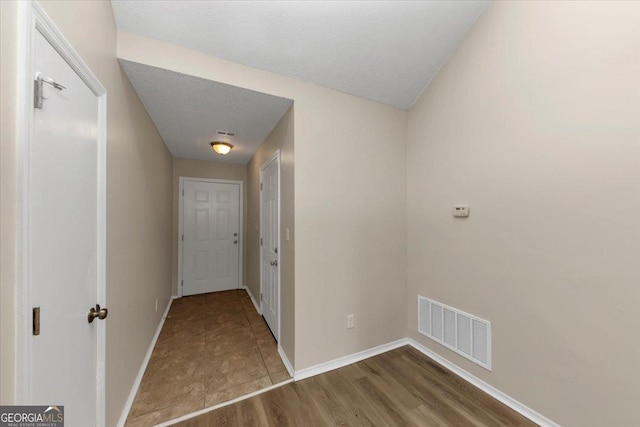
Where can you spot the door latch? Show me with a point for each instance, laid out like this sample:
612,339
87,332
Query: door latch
38,93
35,324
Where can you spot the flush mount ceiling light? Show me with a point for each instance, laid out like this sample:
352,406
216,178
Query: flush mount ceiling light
221,148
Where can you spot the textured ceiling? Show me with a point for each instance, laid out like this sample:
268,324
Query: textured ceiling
386,51
189,110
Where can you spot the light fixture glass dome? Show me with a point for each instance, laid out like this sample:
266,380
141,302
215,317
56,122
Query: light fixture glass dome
221,148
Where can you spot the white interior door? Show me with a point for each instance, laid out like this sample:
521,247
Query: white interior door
270,235
63,218
211,233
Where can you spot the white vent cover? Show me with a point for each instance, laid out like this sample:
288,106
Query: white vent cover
461,332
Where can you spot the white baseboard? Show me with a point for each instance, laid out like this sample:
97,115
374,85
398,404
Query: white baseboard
255,304
285,360
143,367
512,403
347,360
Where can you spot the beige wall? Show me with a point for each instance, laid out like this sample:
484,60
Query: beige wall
138,200
350,203
281,138
534,122
8,76
210,170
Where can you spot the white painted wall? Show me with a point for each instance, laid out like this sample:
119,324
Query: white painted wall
535,123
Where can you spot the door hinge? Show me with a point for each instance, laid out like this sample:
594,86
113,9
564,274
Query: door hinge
260,296
183,237
260,186
182,283
261,241
183,192
36,321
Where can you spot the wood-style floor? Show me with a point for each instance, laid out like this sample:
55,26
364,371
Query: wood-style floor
212,348
399,388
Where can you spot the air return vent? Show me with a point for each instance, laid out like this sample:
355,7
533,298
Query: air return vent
461,332
226,133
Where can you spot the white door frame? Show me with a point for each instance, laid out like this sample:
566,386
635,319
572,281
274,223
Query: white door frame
275,156
32,18
181,181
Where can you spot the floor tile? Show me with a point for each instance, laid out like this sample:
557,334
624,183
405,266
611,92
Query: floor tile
174,368
222,296
216,397
181,332
279,377
224,305
225,316
259,327
230,343
272,359
152,397
190,300
179,349
253,315
164,414
211,348
186,313
239,326
233,369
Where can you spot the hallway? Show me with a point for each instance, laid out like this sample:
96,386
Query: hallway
212,348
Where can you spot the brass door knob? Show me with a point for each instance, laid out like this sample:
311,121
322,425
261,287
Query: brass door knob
100,313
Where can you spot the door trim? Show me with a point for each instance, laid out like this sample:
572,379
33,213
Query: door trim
181,181
275,156
31,19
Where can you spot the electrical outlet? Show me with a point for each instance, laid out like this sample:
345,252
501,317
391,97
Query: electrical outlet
351,321
156,305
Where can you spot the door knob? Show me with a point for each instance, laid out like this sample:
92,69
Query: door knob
274,263
100,313
235,242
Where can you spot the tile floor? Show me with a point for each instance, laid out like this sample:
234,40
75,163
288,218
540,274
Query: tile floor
212,348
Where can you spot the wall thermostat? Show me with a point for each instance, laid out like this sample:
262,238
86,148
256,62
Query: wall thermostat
461,211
